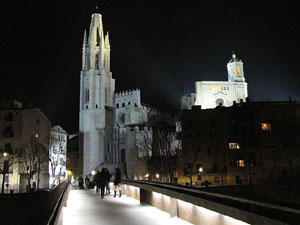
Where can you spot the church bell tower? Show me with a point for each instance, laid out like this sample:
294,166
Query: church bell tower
97,88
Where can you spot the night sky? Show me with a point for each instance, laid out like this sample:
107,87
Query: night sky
160,47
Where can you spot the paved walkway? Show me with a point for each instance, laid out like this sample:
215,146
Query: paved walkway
84,207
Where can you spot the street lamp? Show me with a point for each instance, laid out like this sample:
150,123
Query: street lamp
200,170
5,154
157,175
93,172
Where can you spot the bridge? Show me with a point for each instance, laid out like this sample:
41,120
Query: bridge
155,203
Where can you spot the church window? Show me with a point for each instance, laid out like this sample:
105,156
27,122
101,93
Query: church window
123,104
117,105
129,103
234,146
135,105
86,107
233,72
96,62
238,71
96,106
266,127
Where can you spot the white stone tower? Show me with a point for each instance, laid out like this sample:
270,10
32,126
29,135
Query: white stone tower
235,69
97,89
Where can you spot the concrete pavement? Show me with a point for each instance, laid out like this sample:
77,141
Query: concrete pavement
84,207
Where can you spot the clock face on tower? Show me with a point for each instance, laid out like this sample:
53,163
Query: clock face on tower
121,118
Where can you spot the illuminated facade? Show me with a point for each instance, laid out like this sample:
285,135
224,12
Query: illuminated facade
57,154
210,94
97,89
19,124
106,118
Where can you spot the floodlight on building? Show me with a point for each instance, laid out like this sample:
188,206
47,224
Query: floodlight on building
157,175
200,170
93,172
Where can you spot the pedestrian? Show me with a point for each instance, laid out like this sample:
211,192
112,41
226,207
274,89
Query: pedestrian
117,182
87,182
96,181
91,177
102,181
80,182
107,182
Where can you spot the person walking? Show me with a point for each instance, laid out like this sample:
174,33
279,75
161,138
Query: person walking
96,181
117,182
102,181
107,189
87,182
80,182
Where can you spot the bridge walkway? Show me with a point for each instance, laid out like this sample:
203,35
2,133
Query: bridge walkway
85,207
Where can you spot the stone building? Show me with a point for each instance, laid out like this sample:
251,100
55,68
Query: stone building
247,143
106,118
210,94
19,124
57,155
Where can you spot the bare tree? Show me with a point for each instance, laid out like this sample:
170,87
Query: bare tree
157,144
42,159
8,160
28,161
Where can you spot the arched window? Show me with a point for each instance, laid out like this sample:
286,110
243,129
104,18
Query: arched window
238,71
233,72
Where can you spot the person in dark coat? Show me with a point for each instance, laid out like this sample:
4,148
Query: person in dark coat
102,181
87,182
80,182
96,181
117,182
107,182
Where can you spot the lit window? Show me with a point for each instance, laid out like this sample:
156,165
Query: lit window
238,71
234,146
266,126
233,74
240,163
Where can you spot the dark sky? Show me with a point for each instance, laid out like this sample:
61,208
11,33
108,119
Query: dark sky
160,47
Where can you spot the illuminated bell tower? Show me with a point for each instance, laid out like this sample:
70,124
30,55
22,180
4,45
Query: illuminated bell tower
235,69
97,89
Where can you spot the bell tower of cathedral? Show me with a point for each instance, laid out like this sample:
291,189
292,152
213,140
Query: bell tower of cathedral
97,88
235,69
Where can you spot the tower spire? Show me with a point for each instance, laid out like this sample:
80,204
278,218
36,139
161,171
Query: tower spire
84,38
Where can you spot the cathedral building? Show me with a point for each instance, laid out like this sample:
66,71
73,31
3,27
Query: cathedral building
210,94
108,120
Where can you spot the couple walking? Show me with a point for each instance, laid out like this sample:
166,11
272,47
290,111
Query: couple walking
102,180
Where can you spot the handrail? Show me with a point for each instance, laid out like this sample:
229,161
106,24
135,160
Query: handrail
57,207
212,201
263,204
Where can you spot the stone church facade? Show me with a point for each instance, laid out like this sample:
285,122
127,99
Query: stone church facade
210,94
108,120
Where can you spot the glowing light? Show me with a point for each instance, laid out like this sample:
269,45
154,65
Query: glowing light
5,154
200,170
36,135
147,175
157,175
93,172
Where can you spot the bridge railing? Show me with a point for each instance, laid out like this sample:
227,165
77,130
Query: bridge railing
200,207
